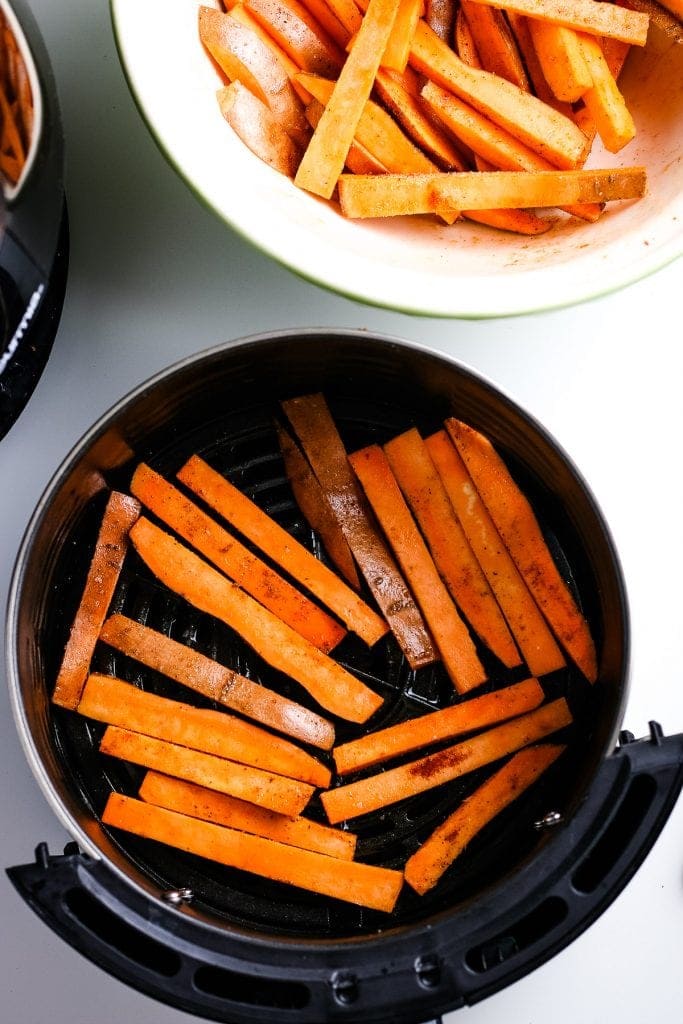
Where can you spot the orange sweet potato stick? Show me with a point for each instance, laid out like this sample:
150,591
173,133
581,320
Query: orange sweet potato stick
455,560
495,45
395,784
393,195
234,559
603,100
239,12
294,558
561,58
277,793
325,155
313,505
528,626
397,50
298,33
533,122
593,16
515,520
207,804
416,733
326,17
522,33
450,633
204,675
115,702
319,437
276,642
110,548
362,884
426,866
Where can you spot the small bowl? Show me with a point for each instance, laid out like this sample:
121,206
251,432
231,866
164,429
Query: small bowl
412,264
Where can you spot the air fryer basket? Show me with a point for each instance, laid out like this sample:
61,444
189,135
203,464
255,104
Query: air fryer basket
232,946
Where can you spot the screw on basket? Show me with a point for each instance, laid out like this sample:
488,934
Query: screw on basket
548,820
177,896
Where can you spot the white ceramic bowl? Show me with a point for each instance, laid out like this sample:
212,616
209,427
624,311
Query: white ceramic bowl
410,264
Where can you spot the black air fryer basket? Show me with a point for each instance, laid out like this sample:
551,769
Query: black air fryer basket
230,946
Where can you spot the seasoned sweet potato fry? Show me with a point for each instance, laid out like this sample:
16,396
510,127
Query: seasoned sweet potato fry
362,884
522,33
277,793
325,154
397,50
243,55
116,702
324,14
192,669
392,195
426,866
416,733
395,784
603,100
314,507
231,556
318,434
516,522
207,804
593,16
562,60
535,640
246,18
120,514
453,556
358,160
450,633
410,111
495,45
440,16
277,643
538,126
298,33
266,534
258,128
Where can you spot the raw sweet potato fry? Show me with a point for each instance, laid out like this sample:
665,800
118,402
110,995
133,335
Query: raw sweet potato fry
615,54
325,154
258,128
120,514
521,222
231,556
426,866
395,784
277,793
319,437
313,504
409,110
593,16
243,55
392,195
516,522
397,50
207,804
298,33
453,556
239,12
204,675
440,16
534,123
359,161
324,14
347,12
522,33
667,21
450,633
416,733
495,45
562,61
603,100
528,626
376,132
363,884
116,702
186,574
269,536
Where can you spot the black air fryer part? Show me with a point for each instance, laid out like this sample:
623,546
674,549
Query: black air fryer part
221,405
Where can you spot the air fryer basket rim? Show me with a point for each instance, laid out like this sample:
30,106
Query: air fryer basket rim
177,369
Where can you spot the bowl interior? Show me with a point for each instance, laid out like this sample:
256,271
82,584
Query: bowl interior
222,406
413,264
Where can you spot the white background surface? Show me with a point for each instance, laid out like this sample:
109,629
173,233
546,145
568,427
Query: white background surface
154,277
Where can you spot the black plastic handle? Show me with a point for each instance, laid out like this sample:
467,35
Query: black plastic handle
436,967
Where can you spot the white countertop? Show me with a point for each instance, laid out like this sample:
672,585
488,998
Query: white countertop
155,277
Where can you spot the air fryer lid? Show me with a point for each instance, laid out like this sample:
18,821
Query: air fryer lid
221,405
